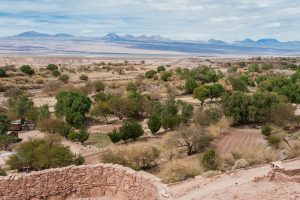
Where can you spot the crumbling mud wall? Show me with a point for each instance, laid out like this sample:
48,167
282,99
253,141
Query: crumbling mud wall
84,182
282,175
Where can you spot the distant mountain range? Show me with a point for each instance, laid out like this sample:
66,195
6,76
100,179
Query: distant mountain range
36,42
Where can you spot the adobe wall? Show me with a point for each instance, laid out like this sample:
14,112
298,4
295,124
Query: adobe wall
87,181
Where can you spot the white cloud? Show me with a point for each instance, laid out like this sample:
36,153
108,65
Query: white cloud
274,25
197,19
87,31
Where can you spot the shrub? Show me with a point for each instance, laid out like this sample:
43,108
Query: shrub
149,74
266,130
98,86
2,172
241,163
165,76
190,85
115,136
206,117
83,77
138,157
64,78
232,69
2,72
238,84
55,73
131,130
160,69
210,173
178,171
274,141
52,67
154,124
26,69
82,136
131,87
210,160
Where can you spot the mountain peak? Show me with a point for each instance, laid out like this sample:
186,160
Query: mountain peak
32,34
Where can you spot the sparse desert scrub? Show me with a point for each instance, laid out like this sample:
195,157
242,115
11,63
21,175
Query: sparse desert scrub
99,140
136,156
179,170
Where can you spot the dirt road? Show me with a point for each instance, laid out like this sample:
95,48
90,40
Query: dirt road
236,185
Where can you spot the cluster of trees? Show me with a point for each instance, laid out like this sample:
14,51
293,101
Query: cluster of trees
289,87
42,154
260,107
129,130
170,115
202,73
209,91
57,126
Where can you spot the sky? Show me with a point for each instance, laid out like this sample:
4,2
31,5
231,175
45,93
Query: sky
227,20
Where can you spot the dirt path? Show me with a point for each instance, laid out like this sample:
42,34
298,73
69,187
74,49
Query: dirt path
210,188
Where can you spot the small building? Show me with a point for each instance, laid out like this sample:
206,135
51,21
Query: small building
16,125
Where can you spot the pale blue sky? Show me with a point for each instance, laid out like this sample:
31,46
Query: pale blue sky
177,19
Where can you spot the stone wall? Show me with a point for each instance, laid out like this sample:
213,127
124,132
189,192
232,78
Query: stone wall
84,182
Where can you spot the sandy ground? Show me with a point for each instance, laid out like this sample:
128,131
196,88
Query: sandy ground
238,185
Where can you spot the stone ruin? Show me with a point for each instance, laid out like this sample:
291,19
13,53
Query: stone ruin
101,181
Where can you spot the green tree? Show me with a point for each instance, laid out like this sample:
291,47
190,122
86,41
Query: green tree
154,124
190,85
73,106
44,112
82,136
21,105
102,109
186,112
131,130
2,72
216,90
210,160
6,140
238,84
26,69
41,154
4,124
201,93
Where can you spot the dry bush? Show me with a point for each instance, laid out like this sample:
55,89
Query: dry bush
39,81
115,85
179,170
137,156
216,129
52,86
139,79
210,173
